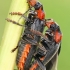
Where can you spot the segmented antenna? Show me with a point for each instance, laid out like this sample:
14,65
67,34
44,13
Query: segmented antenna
16,13
39,34
24,13
14,22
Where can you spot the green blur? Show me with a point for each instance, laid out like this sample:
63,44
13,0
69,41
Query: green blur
59,10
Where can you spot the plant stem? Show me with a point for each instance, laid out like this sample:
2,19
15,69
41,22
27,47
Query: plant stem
11,35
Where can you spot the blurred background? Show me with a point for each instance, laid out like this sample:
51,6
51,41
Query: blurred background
59,10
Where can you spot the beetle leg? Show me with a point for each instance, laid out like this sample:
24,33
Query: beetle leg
14,49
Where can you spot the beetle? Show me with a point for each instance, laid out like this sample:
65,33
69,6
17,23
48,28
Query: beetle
28,43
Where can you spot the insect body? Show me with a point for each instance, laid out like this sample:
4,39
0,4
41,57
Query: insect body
29,41
28,44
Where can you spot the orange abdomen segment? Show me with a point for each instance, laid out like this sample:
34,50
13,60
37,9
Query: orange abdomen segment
24,56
